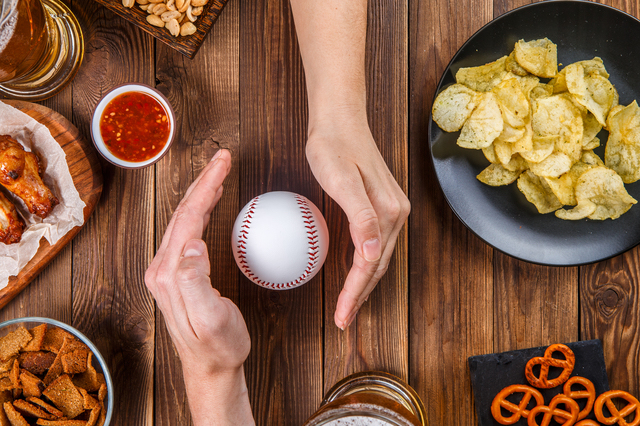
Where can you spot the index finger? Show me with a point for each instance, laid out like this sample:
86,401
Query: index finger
191,216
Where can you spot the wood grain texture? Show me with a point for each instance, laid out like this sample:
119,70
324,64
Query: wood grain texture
609,311
110,301
378,337
284,369
86,173
188,45
205,95
451,271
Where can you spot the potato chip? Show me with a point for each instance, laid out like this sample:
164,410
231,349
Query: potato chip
497,175
538,192
539,57
513,102
527,82
503,151
593,91
542,135
511,134
603,188
564,186
525,143
453,106
581,211
484,77
554,165
541,148
591,127
622,152
513,66
490,154
484,125
557,115
595,142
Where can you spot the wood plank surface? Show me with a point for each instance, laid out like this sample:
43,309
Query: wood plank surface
447,295
451,270
284,369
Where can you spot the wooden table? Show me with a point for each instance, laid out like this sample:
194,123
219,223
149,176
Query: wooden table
446,296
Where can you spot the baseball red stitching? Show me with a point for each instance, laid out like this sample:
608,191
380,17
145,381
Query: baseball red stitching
312,242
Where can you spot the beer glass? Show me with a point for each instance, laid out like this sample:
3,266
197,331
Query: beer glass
41,48
371,398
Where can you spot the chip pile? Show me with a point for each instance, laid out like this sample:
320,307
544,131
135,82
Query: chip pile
47,378
542,134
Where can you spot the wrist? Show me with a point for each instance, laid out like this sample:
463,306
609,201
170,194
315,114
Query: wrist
218,398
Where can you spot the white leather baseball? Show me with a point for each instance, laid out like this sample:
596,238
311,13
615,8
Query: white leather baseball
280,240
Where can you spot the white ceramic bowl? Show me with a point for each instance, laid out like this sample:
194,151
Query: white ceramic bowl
97,114
29,322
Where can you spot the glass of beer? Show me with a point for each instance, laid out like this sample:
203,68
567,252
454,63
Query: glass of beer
41,48
370,399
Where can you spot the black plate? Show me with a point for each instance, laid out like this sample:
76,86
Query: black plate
502,216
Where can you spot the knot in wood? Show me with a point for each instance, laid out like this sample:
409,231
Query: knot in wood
609,299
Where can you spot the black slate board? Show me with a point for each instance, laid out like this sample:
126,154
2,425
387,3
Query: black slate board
493,372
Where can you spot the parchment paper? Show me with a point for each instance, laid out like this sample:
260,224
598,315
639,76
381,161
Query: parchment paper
64,217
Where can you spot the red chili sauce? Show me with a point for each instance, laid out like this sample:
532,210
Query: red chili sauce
134,126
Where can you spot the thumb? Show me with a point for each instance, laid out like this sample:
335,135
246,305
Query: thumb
193,274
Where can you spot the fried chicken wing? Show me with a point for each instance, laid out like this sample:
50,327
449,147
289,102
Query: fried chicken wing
11,224
20,173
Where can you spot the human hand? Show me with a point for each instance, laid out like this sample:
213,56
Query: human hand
207,330
345,160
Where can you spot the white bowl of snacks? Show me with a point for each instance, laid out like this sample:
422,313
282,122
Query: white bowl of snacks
53,372
133,126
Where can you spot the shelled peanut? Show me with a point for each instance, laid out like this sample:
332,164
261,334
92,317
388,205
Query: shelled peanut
177,16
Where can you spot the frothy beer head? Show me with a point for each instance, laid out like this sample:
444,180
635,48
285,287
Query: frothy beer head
8,19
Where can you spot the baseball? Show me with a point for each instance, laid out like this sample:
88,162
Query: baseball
280,240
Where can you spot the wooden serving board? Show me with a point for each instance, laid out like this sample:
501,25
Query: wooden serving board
86,172
187,45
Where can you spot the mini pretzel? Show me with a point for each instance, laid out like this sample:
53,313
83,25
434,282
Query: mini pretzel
617,416
547,361
569,417
520,410
589,393
587,422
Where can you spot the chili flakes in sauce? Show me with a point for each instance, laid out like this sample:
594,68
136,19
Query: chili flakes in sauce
135,126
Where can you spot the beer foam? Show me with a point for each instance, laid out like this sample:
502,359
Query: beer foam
8,24
358,421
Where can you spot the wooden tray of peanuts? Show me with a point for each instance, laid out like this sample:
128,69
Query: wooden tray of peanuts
180,24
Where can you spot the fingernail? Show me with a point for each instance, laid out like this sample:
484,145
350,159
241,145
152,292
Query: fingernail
193,248
218,154
371,249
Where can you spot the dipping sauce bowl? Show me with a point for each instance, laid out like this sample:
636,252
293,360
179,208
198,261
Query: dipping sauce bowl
133,126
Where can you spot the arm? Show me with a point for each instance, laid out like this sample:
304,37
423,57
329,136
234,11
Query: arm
207,330
341,151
